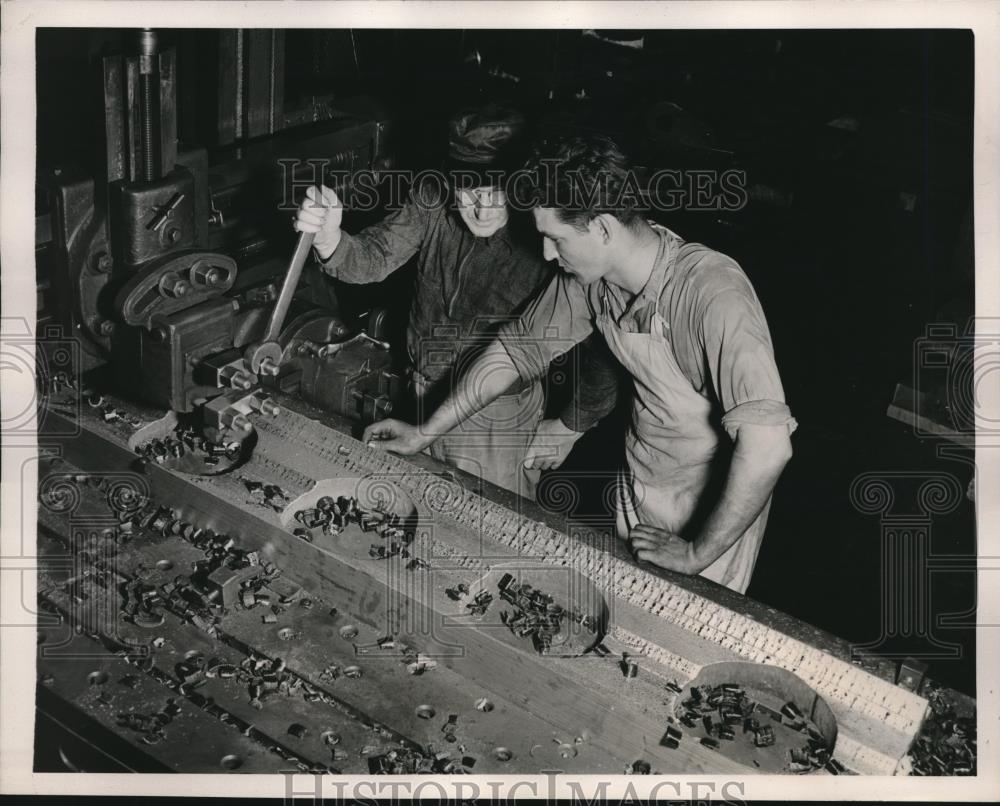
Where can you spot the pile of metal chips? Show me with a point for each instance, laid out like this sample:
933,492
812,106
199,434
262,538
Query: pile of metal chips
266,495
406,761
192,597
183,440
480,603
187,596
719,710
457,593
536,613
151,726
333,516
266,678
947,742
141,601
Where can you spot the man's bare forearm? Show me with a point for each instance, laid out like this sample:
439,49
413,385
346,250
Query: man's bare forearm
492,374
760,455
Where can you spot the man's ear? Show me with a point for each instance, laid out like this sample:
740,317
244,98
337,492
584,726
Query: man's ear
603,227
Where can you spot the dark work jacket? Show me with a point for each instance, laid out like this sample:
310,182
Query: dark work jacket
465,288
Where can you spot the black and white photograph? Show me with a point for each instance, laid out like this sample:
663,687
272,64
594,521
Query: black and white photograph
437,401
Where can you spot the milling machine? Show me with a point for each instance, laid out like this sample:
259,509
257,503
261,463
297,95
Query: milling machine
178,304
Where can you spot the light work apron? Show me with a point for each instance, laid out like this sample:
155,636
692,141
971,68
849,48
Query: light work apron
493,443
671,441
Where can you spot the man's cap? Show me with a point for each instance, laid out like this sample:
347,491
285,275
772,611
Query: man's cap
485,139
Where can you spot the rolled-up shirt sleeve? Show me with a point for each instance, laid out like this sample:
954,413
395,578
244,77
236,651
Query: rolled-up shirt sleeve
551,324
741,362
377,251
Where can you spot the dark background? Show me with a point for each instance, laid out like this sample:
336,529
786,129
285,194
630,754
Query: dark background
857,148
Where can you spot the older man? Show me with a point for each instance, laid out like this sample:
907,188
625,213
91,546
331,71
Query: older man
476,266
685,323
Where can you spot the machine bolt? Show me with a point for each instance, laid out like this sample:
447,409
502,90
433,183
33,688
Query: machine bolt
265,406
204,273
240,380
236,421
173,286
173,235
102,262
236,377
268,367
105,327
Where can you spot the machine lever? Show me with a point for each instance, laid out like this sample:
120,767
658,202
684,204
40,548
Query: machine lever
265,356
284,300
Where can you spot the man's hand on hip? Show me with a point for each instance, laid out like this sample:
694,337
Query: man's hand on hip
551,445
396,436
664,549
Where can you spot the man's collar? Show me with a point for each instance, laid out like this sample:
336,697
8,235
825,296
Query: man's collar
650,292
664,264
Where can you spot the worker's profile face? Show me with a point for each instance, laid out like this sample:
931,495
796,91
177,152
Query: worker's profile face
483,209
578,253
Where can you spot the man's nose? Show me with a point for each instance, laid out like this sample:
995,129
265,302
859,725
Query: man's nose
549,251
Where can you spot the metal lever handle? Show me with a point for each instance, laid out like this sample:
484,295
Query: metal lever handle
292,276
265,356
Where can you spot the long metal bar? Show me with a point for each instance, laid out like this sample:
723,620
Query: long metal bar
302,247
